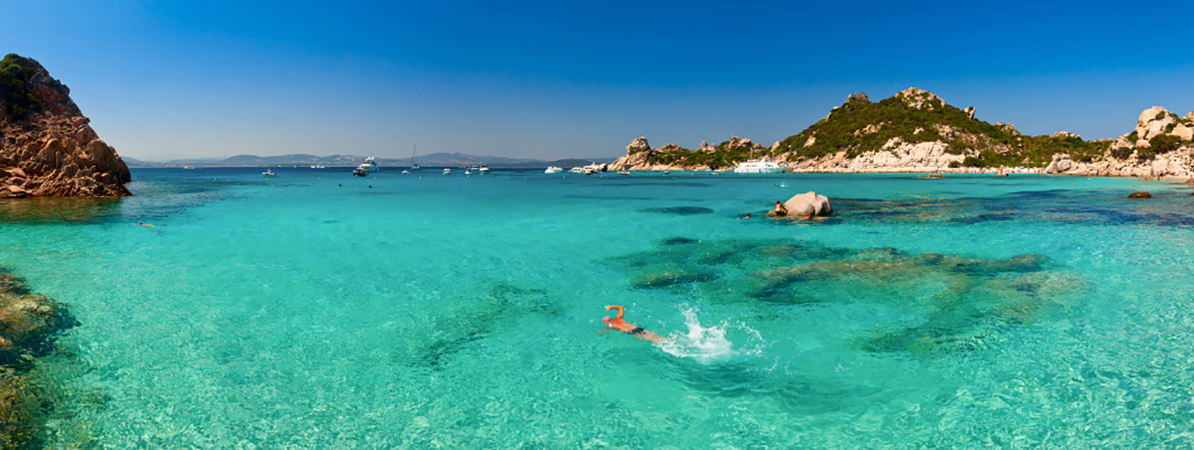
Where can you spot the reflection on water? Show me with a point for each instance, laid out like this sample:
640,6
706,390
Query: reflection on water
45,210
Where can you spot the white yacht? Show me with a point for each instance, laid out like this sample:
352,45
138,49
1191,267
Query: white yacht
577,170
759,166
269,173
447,171
484,169
317,166
370,165
553,169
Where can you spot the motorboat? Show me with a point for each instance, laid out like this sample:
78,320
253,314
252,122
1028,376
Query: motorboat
665,171
484,169
468,171
269,173
623,172
577,170
761,165
317,166
358,172
553,169
447,171
587,171
370,165
405,171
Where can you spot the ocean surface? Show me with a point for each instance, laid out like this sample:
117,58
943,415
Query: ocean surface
316,310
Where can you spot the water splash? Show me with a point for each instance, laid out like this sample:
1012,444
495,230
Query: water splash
706,344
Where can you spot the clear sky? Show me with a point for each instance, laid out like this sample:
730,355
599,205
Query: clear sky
564,79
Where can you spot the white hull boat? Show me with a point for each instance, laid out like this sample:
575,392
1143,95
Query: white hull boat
759,166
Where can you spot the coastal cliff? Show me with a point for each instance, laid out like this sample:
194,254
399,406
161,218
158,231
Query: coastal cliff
47,147
917,131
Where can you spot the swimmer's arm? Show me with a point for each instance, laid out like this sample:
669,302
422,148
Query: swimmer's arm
619,308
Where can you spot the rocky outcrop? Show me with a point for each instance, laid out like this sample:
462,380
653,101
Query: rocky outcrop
1133,154
641,156
919,99
47,147
1140,195
808,204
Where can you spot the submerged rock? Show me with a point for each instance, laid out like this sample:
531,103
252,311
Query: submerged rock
1140,195
29,324
960,298
681,210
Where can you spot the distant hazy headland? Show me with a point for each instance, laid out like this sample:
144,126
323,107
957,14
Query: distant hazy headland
430,160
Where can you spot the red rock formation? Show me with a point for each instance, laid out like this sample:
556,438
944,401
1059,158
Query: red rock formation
47,148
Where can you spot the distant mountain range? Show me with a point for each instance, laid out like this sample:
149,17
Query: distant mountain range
431,160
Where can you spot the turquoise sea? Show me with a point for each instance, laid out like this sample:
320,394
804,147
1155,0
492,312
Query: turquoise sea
316,310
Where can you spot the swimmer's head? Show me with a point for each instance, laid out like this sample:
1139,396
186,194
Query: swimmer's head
606,320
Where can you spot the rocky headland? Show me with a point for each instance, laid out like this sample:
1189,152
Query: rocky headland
916,131
47,147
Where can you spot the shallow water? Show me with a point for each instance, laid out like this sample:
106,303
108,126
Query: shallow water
319,310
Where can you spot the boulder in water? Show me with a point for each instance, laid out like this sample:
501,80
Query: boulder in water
1140,195
808,204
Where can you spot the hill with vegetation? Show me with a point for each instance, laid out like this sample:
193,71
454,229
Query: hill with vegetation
916,131
917,116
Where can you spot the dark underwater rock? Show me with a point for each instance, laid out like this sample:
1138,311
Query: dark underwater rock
29,325
681,210
1140,195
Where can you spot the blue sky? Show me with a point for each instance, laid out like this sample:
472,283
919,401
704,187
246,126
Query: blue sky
562,79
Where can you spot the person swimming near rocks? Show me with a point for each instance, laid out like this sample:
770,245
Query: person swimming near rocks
145,224
617,323
779,211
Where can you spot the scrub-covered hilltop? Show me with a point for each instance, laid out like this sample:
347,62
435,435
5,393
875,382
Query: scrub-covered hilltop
47,148
917,131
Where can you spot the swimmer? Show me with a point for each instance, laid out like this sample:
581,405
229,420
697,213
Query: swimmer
780,209
145,224
747,216
621,325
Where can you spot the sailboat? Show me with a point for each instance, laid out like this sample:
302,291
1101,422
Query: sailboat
414,166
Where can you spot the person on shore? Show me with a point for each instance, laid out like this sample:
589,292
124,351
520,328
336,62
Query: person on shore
617,323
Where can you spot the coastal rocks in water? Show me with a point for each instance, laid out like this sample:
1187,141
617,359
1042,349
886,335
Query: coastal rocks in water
808,204
29,324
1061,163
1140,195
47,148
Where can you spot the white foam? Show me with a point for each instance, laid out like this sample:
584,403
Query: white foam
699,342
